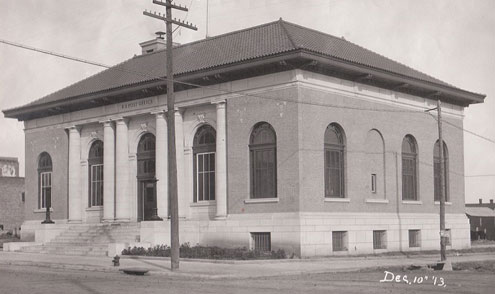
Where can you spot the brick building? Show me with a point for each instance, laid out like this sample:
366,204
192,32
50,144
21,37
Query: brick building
11,196
286,138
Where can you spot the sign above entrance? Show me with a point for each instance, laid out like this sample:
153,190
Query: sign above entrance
137,104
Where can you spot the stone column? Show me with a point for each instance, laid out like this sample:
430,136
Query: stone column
122,205
161,165
108,171
179,143
221,162
75,208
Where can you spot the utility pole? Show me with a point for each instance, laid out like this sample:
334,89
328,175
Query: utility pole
443,236
172,161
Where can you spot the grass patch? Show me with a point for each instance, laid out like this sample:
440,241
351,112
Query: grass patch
206,252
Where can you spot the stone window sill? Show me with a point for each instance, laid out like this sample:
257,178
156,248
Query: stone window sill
414,202
94,208
379,201
42,210
261,200
446,203
203,203
345,200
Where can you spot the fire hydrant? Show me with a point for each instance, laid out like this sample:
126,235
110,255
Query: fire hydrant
116,260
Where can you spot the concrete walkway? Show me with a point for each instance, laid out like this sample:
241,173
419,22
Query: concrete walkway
229,269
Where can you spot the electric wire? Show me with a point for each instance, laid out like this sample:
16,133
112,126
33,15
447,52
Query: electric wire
241,93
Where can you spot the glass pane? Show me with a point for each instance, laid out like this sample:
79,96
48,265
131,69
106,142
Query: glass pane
212,186
200,187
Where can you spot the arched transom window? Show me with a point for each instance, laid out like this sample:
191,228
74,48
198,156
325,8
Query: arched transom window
204,147
263,161
146,156
95,168
334,161
44,180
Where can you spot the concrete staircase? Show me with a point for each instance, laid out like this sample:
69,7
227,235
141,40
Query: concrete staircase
88,239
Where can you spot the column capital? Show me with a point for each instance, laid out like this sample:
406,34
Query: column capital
179,110
106,123
219,103
121,120
73,129
159,113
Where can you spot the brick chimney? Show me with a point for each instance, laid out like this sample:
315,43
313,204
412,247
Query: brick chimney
492,206
481,201
156,44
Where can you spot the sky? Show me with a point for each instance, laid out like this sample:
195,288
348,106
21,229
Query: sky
452,40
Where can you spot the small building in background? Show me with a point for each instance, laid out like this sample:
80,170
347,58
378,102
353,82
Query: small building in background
482,219
11,196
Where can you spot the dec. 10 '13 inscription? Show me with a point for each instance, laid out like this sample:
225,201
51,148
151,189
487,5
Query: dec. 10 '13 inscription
395,278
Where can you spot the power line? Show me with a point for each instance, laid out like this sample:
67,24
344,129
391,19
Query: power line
241,93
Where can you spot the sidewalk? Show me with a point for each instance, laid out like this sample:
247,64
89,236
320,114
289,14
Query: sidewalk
228,269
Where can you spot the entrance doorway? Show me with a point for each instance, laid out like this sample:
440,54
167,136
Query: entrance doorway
146,178
147,199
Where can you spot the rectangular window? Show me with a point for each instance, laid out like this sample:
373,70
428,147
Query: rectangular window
205,176
261,242
448,239
264,173
334,173
379,239
414,238
408,178
373,183
45,189
339,241
96,195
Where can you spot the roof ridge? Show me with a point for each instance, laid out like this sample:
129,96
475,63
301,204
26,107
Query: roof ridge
282,24
80,81
211,38
361,47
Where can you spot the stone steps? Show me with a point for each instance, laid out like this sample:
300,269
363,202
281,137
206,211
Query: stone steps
88,240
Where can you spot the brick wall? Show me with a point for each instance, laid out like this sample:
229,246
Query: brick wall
54,141
11,205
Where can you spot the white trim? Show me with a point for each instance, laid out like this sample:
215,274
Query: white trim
373,200
446,203
261,200
42,210
203,203
94,208
334,199
414,202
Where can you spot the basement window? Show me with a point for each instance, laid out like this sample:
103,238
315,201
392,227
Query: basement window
414,238
261,242
339,241
380,239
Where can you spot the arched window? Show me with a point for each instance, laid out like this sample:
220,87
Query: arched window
95,168
409,170
334,162
44,180
436,171
204,147
146,156
263,161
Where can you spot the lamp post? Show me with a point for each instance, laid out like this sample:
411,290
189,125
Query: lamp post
48,205
154,216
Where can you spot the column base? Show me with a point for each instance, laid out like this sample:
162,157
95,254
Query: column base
110,220
74,221
220,217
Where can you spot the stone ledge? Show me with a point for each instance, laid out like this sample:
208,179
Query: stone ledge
344,200
261,200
